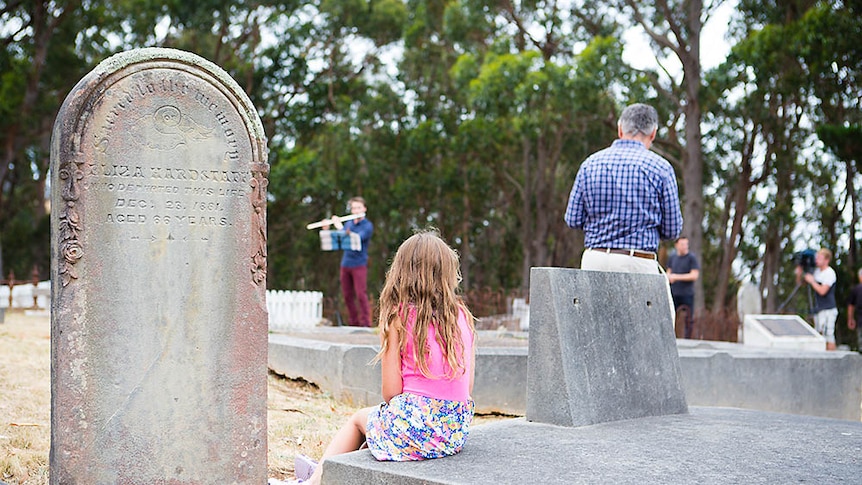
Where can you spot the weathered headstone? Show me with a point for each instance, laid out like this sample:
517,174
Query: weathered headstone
602,348
748,300
159,324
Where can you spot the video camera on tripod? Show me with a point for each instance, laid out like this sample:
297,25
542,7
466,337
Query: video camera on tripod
805,260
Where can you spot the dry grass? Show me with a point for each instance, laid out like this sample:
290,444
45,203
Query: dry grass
25,399
301,418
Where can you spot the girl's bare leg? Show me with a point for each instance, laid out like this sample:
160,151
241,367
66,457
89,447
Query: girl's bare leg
349,438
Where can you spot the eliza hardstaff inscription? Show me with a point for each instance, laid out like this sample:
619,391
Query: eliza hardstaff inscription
159,326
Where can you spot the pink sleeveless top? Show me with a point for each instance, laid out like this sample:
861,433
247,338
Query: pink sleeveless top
439,387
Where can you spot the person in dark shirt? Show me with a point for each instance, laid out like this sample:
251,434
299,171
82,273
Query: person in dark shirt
354,267
854,318
682,271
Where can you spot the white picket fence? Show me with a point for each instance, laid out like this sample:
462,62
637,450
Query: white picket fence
288,310
23,293
294,310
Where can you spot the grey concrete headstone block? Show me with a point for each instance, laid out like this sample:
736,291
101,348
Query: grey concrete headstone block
602,348
159,322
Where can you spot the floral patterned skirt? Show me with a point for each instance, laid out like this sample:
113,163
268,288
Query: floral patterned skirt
413,427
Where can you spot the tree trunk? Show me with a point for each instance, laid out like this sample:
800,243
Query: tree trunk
730,245
852,255
684,41
466,253
526,215
692,177
776,235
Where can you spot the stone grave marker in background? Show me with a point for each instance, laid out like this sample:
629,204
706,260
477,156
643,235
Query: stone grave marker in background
748,300
602,348
158,323
781,332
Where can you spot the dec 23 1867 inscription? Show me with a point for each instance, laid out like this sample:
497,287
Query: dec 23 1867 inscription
159,327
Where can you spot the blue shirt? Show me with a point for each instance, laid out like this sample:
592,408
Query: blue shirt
625,197
365,229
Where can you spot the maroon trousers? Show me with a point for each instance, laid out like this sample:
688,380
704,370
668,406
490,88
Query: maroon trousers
353,287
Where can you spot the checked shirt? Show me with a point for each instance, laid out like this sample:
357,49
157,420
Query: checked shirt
625,197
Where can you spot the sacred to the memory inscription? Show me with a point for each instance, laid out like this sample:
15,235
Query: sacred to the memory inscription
146,131
159,326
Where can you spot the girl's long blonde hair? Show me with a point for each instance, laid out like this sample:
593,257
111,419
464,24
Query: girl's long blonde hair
425,274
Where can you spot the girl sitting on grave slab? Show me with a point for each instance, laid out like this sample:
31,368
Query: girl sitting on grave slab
427,360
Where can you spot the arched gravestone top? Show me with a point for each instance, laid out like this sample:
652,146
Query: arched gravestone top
159,325
748,300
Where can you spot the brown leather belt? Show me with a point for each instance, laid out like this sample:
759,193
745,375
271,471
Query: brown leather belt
628,252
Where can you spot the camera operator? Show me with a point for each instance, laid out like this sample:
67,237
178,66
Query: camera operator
822,280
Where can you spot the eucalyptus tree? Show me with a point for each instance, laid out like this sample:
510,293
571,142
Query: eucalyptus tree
831,55
767,63
732,142
39,62
535,99
674,28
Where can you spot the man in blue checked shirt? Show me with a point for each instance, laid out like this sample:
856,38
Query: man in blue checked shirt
625,199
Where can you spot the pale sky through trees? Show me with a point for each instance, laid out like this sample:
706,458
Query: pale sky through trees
714,46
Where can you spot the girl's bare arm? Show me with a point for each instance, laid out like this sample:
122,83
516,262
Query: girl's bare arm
390,365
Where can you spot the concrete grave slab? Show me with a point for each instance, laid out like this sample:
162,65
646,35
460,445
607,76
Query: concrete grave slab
813,382
602,348
336,359
159,323
708,445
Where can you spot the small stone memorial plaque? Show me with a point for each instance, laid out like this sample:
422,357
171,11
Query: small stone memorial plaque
781,331
784,327
159,324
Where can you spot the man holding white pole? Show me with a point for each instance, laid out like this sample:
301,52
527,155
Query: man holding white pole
354,267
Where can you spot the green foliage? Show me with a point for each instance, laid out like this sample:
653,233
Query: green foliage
385,21
468,115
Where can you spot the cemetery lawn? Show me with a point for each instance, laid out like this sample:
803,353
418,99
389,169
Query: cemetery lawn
301,418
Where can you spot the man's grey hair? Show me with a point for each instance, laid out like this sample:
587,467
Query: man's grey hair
639,118
859,272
